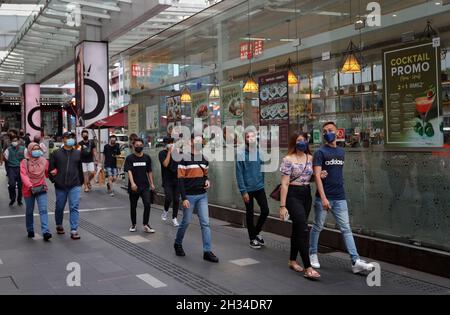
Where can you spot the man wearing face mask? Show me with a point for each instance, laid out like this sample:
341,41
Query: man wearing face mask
110,153
14,154
330,197
67,173
250,180
169,169
89,159
140,184
193,183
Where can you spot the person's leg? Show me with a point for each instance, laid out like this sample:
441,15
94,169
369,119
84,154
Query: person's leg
42,202
61,199
319,221
85,176
91,169
203,216
261,198
29,221
176,201
292,205
19,187
168,194
12,184
187,217
74,204
145,195
340,213
249,217
134,197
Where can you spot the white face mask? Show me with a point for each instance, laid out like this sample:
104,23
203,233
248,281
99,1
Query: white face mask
14,144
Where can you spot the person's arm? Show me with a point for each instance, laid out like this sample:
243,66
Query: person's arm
240,180
95,153
181,184
6,154
318,160
24,175
128,169
166,162
150,174
286,171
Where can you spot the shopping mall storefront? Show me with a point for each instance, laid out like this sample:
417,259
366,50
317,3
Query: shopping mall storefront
389,95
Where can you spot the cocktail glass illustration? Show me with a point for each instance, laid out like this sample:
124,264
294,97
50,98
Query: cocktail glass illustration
423,106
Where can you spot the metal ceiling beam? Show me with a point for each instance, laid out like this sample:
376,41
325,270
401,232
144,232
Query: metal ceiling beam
93,5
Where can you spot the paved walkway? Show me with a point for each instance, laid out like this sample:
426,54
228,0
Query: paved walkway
115,261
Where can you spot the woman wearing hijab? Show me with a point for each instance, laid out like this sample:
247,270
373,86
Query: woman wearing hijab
33,171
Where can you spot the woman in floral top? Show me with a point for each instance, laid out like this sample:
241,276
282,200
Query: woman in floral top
297,172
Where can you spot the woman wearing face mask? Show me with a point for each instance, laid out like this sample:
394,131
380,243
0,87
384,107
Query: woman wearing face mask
297,170
34,188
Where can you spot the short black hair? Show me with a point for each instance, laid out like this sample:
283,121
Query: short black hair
84,131
138,140
329,123
112,136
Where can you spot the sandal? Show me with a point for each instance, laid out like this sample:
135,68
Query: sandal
310,273
75,236
295,267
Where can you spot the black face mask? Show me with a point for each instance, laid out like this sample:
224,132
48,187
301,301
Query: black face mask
139,149
85,137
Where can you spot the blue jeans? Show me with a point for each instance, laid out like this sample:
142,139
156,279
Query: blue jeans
340,214
73,194
41,200
199,202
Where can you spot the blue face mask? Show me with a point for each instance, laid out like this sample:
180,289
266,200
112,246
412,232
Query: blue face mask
329,137
37,153
302,146
70,142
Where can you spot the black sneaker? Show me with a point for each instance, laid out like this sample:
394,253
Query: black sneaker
108,188
47,237
260,240
255,244
30,234
19,203
179,250
209,256
60,230
11,203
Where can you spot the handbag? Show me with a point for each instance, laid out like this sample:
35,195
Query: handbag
276,193
38,189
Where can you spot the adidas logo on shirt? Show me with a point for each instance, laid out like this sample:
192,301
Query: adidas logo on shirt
334,162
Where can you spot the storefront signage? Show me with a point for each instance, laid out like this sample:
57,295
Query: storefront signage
274,103
340,136
250,50
412,90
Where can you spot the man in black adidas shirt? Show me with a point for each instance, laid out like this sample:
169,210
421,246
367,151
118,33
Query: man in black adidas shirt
140,183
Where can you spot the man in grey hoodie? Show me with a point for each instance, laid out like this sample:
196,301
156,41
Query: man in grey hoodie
250,180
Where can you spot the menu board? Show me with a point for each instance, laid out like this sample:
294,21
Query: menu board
173,108
133,118
413,112
274,104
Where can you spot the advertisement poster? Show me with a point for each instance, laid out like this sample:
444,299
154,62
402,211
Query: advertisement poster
413,112
200,109
31,109
133,118
91,81
152,117
233,105
340,136
173,109
317,136
274,104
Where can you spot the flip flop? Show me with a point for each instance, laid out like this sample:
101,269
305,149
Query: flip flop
296,268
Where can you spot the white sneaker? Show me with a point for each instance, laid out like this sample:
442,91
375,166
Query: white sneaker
314,261
175,222
164,215
361,265
112,194
148,229
133,228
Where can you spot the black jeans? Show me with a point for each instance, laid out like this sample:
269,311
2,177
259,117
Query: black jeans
172,195
298,203
261,198
13,181
146,196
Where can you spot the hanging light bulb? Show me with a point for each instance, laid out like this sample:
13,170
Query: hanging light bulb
250,86
215,92
186,96
292,77
351,63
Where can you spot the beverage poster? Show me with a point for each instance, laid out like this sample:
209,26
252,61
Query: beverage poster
200,108
173,108
274,104
233,105
413,105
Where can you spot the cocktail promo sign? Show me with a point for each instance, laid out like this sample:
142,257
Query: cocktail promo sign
412,95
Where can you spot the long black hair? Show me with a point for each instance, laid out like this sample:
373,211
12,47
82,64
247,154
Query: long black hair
292,146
